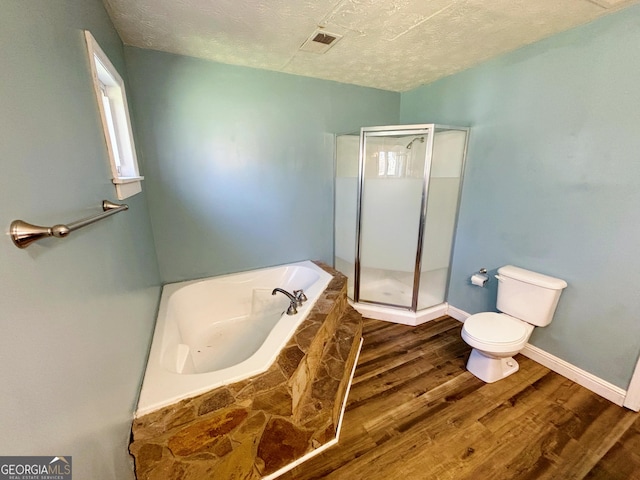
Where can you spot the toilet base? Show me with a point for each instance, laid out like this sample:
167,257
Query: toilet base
489,369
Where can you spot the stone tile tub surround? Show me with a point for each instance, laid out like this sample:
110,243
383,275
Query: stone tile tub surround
256,427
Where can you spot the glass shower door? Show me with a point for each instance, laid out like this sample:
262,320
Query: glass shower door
445,182
346,202
392,185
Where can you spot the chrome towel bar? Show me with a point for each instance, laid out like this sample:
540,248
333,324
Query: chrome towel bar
24,234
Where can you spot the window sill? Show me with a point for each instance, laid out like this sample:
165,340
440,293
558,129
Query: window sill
125,180
127,186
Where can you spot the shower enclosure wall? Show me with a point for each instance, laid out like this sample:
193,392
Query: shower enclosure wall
397,195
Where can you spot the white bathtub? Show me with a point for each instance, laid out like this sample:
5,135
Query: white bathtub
221,330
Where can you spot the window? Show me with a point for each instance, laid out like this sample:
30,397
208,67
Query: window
114,113
393,164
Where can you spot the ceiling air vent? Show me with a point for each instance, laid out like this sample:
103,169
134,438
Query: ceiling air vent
324,38
320,41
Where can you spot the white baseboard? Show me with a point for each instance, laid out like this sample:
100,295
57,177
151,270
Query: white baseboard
456,313
581,377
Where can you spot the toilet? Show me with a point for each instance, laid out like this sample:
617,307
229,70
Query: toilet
526,299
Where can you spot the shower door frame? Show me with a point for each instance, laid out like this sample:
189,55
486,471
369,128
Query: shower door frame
428,129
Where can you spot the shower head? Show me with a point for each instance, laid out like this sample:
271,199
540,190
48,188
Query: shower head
419,139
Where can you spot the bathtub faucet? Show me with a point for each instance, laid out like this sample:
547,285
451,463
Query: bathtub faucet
292,310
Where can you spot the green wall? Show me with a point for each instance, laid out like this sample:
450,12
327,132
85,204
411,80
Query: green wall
77,314
553,183
240,161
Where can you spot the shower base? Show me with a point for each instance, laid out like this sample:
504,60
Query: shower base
399,315
394,289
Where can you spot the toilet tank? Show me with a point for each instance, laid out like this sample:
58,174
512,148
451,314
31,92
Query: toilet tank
528,295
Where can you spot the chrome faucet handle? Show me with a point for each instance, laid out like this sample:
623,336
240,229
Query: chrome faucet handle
300,296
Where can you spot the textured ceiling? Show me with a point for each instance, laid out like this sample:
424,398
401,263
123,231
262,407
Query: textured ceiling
389,44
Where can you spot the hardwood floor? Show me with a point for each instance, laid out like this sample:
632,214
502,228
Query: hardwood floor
414,412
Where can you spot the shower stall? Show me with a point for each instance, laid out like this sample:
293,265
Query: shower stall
396,203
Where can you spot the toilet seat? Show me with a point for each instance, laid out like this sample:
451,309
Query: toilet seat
496,332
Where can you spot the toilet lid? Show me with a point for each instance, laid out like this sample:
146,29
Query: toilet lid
496,328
